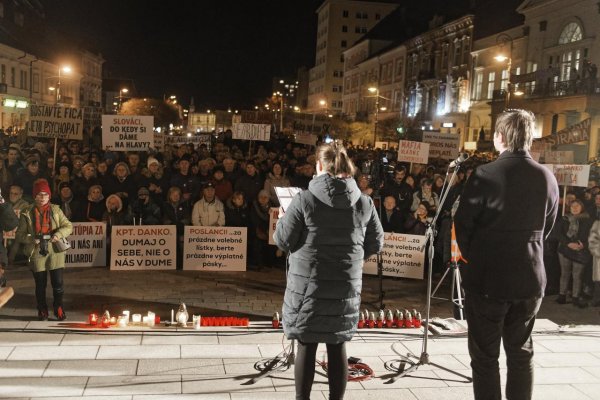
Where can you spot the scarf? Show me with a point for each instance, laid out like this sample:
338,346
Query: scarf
573,225
42,220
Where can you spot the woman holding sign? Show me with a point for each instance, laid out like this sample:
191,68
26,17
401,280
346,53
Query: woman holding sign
40,227
328,231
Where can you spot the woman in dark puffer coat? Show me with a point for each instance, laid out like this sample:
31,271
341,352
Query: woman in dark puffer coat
329,230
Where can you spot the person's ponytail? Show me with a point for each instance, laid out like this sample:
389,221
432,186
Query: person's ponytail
335,160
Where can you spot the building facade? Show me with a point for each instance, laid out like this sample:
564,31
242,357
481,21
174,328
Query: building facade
553,72
340,24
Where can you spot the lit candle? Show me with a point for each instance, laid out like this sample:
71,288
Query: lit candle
172,316
136,319
122,321
151,318
126,314
113,320
93,319
105,322
146,320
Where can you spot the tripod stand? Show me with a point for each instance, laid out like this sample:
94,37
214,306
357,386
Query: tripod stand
280,363
456,295
423,359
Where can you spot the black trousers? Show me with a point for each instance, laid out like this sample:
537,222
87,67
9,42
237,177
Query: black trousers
41,281
512,321
337,370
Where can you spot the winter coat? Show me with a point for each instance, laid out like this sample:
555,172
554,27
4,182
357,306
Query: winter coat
585,224
150,213
329,230
250,186
271,183
236,216
61,227
223,189
8,222
259,218
594,246
208,214
177,214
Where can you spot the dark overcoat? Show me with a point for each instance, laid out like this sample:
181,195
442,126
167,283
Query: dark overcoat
507,209
328,230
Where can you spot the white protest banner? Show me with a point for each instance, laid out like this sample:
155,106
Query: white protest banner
159,140
60,122
11,234
184,139
127,132
305,138
570,175
273,218
214,248
149,247
88,245
252,132
413,152
558,157
442,145
403,256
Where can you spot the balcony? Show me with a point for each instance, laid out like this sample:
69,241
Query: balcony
574,87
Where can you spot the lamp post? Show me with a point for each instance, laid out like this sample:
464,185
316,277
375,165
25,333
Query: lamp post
66,70
121,91
280,95
375,90
501,41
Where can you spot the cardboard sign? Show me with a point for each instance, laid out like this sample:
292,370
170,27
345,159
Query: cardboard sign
273,218
212,248
196,139
570,175
252,132
159,140
442,145
55,122
127,132
88,245
147,247
413,152
92,117
403,256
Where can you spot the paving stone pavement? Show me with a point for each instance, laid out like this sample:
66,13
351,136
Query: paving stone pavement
68,360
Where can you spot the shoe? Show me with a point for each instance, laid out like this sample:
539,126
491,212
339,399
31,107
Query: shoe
59,313
561,299
42,315
580,302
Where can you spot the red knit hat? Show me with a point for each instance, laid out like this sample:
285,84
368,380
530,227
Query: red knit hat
41,185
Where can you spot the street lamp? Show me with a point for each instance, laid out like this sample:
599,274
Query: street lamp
375,90
501,41
121,91
66,70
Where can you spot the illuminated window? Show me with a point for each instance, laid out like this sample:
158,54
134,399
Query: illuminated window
571,33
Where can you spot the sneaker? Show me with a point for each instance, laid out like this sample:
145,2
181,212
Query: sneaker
561,299
59,313
42,315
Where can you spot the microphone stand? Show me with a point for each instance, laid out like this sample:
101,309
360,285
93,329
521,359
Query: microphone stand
423,359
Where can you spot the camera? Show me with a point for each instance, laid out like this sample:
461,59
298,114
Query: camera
44,240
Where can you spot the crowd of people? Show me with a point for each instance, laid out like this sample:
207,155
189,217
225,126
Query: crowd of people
232,184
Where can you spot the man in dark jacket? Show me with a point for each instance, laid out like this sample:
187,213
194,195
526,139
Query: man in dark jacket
8,222
400,190
249,183
507,209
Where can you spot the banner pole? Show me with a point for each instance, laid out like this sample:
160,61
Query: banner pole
564,200
55,152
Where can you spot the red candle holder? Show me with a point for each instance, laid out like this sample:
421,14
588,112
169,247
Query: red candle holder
93,319
105,322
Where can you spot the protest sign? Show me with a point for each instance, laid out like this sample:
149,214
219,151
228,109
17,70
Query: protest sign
403,256
570,175
197,140
127,132
60,122
251,132
204,122
149,247
305,138
159,140
273,218
88,245
558,157
92,117
442,145
413,152
214,248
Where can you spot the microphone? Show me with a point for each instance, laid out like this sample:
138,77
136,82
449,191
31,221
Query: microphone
462,157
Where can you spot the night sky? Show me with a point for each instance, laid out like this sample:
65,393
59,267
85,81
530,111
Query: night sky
224,53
